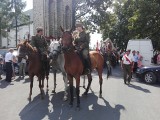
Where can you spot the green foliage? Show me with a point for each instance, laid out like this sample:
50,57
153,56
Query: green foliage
8,10
127,19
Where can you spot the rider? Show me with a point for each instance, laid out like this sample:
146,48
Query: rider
82,45
40,44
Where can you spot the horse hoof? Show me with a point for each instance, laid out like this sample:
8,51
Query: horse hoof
77,108
85,94
53,91
65,99
70,105
42,98
29,99
100,96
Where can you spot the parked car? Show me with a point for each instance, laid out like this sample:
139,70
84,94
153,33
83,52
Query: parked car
149,74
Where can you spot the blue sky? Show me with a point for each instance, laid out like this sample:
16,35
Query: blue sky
94,37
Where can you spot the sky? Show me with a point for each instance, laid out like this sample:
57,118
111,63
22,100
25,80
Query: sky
94,37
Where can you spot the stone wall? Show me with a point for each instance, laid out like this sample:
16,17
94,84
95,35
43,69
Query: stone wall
51,14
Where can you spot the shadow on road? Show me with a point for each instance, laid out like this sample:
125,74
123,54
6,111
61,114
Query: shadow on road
139,88
4,84
57,109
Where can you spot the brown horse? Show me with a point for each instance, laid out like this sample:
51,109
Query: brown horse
34,67
74,66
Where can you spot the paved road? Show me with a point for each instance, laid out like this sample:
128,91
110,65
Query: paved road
120,102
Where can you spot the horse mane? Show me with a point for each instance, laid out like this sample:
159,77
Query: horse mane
27,45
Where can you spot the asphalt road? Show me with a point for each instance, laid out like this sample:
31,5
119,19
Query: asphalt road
138,101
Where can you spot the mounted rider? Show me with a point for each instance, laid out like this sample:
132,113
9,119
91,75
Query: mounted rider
40,44
81,42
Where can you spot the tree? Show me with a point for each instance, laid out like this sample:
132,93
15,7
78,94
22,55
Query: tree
7,14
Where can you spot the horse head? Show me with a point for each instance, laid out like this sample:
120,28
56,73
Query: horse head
24,48
66,40
55,50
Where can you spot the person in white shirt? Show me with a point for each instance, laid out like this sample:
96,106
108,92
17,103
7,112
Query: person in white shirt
126,65
8,62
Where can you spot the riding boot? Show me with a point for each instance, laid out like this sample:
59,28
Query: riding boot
88,65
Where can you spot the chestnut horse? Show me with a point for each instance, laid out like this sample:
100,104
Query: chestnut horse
34,67
74,66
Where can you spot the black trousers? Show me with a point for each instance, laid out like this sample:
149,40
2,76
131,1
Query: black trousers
8,71
135,67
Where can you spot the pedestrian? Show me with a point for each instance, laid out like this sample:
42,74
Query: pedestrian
14,63
81,43
140,58
158,59
40,44
1,66
22,66
135,61
8,62
126,65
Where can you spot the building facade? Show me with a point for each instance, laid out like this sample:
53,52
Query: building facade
51,14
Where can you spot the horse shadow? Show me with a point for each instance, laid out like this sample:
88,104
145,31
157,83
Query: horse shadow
37,109
90,109
139,88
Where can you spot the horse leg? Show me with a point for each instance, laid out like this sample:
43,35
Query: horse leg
47,82
31,86
40,86
65,86
100,80
84,81
77,92
89,84
54,74
70,78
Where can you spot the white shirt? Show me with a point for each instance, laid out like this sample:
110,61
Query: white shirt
23,60
8,57
125,61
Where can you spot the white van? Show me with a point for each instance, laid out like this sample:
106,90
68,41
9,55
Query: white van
145,47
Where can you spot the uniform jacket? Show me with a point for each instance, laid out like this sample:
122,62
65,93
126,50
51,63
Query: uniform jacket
40,43
83,40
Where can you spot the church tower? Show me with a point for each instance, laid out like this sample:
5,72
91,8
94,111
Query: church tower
51,14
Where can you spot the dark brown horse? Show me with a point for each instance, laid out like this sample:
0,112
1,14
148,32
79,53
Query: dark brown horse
34,67
74,66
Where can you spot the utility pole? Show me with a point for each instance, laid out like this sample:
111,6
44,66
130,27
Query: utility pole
73,13
16,17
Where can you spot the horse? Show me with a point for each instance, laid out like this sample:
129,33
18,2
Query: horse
57,62
34,67
74,66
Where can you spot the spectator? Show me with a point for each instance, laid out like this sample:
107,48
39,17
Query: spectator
14,63
22,67
126,65
158,59
140,58
135,61
1,66
8,61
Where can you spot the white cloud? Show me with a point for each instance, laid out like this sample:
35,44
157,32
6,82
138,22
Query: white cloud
29,4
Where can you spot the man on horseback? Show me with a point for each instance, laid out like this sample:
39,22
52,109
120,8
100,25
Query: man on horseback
82,46
40,44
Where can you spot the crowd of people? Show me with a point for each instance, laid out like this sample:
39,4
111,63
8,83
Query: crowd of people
8,63
129,63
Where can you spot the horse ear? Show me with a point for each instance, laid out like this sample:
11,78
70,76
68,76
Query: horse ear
25,42
61,29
